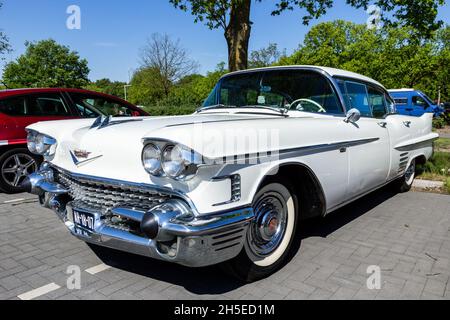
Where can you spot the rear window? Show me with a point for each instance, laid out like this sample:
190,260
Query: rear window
47,105
35,105
14,106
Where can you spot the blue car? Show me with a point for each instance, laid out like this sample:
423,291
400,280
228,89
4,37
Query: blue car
414,103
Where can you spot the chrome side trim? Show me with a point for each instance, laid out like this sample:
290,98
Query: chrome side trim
290,153
416,144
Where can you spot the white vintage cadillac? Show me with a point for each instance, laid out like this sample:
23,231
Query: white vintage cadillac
230,183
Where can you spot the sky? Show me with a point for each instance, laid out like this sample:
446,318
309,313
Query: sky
112,32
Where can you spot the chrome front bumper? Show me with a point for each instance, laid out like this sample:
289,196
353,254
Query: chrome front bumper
182,237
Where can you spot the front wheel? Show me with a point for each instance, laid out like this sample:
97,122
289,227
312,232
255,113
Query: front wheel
269,236
405,183
15,166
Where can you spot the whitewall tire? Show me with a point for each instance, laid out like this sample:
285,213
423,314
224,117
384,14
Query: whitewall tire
270,235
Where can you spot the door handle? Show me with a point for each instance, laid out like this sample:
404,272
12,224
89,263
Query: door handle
407,123
382,124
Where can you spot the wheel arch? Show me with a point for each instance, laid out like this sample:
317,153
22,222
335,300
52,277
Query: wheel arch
304,184
420,159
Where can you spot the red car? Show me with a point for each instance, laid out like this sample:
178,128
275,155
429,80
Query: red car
22,107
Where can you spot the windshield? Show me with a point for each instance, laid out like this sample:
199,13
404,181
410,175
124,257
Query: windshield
427,98
283,89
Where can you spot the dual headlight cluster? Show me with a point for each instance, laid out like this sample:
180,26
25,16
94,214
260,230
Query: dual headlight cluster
41,144
167,159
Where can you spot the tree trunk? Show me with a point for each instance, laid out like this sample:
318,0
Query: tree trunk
237,35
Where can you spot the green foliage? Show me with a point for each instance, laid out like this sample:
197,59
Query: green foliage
47,64
410,13
184,97
395,57
170,110
447,185
421,15
438,165
115,88
146,88
265,57
439,123
442,144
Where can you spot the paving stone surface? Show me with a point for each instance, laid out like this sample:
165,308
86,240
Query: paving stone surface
407,236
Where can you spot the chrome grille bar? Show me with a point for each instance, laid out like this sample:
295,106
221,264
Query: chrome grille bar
106,196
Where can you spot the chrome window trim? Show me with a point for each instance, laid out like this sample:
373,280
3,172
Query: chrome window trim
331,80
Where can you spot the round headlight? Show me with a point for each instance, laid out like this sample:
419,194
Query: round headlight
31,142
173,162
151,159
41,147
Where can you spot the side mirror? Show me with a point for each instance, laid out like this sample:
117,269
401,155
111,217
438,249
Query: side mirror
353,116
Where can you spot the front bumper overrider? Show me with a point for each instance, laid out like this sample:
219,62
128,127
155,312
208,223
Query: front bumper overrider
169,231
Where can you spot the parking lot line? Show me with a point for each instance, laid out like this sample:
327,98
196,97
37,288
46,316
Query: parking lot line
15,200
30,295
97,269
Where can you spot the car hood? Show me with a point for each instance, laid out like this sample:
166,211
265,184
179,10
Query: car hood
117,146
137,127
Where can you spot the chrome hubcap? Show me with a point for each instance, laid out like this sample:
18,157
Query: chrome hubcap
17,167
269,227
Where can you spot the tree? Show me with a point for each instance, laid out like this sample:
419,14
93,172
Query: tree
393,56
168,58
265,57
146,88
47,64
233,16
115,88
4,41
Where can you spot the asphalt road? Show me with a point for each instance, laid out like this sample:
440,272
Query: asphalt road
406,235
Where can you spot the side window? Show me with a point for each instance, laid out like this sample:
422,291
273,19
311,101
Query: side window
377,102
401,101
92,106
16,106
50,104
419,101
357,97
392,108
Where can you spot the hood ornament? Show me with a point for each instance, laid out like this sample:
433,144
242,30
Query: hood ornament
106,121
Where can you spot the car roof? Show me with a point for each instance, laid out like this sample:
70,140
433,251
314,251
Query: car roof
333,72
402,90
13,92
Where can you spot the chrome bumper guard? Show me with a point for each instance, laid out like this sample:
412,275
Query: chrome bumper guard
175,233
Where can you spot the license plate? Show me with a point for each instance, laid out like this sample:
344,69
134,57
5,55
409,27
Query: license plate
84,222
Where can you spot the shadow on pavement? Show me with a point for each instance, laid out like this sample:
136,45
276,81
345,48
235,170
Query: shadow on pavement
212,280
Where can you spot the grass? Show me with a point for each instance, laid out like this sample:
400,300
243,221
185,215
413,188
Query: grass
447,185
437,168
442,144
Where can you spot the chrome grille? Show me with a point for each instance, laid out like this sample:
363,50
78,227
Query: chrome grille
104,196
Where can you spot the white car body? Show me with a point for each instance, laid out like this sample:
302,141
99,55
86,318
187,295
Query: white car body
347,160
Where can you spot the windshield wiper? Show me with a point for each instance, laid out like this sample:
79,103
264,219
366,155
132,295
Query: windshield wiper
216,106
282,111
